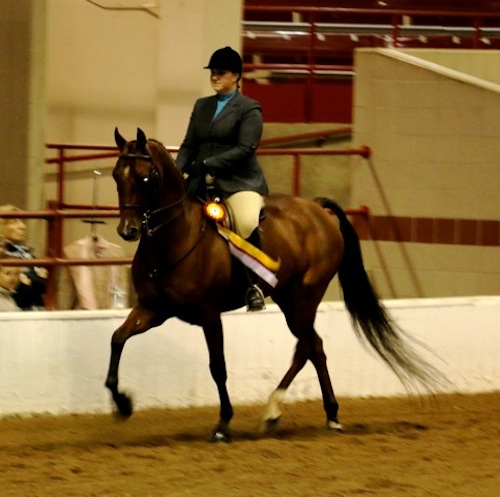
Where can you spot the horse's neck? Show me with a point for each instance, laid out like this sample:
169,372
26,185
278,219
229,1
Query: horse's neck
178,214
173,241
172,179
175,194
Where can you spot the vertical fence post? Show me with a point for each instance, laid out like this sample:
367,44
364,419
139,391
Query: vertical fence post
60,178
308,100
296,175
396,21
54,250
477,32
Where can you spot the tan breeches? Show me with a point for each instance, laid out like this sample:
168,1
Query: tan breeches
245,210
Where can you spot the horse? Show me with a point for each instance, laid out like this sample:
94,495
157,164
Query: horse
183,268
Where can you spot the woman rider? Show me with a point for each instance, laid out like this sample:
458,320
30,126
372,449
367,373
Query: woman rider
220,143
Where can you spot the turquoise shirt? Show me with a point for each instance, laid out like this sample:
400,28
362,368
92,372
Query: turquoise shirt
222,101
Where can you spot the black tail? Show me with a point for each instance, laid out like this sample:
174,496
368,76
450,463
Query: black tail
369,317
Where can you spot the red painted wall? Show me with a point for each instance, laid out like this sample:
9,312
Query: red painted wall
294,101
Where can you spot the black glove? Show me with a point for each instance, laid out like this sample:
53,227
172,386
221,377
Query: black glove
196,169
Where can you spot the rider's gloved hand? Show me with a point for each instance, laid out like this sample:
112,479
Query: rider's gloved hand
196,169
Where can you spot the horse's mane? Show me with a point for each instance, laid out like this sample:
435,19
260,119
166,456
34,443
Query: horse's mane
133,143
168,155
164,148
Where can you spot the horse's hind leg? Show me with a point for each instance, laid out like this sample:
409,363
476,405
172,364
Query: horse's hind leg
300,320
138,321
330,404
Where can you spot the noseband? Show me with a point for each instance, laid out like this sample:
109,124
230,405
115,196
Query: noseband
153,179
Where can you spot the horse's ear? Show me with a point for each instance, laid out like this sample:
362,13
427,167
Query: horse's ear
119,140
141,139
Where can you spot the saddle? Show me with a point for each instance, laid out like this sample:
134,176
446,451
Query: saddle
252,257
215,209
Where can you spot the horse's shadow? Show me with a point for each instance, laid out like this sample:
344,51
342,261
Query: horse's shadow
108,433
398,428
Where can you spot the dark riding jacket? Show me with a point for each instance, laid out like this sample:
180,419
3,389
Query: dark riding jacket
226,144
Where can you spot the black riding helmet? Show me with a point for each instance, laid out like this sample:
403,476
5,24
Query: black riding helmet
226,59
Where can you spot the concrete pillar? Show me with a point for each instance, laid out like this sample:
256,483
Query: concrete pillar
22,48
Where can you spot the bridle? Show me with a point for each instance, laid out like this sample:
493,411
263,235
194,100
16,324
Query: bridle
153,179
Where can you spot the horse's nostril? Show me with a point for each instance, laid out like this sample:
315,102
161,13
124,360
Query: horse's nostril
133,231
129,233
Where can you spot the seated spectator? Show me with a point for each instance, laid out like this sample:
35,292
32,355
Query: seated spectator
9,280
13,235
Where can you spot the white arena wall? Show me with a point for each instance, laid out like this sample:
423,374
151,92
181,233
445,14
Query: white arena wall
56,362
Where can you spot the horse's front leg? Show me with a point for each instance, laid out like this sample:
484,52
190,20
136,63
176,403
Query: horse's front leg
215,342
138,321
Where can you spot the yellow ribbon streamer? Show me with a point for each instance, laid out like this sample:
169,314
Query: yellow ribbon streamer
250,249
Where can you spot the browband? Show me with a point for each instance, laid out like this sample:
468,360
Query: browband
136,157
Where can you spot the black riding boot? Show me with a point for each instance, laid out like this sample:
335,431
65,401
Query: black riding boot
254,297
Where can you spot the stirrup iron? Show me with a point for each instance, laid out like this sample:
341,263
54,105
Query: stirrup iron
255,299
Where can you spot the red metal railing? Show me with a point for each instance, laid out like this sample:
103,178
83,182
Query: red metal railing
62,158
110,151
59,210
296,153
476,19
312,48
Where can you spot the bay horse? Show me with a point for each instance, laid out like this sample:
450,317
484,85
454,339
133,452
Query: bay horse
183,268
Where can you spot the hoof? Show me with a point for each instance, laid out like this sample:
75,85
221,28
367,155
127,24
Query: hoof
220,437
334,426
124,405
269,425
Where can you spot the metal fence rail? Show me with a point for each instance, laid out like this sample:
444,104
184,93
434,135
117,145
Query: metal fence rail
58,209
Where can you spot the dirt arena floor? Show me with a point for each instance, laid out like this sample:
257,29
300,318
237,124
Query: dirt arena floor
446,447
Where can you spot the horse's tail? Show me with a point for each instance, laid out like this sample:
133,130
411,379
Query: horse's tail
369,317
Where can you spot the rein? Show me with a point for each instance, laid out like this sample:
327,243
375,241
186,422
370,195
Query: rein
154,273
150,231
